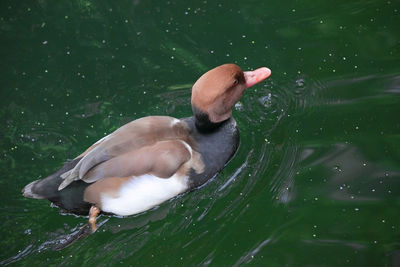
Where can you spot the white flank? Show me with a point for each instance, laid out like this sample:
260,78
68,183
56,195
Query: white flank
142,193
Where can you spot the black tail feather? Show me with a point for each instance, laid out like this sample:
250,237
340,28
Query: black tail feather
69,199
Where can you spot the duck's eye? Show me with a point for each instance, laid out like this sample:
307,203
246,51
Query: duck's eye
235,82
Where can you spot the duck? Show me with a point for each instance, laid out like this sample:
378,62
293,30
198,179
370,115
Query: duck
155,158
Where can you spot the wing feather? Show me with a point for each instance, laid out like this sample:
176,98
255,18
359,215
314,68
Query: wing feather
165,160
127,139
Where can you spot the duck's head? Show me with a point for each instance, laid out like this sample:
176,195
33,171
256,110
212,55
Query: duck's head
216,92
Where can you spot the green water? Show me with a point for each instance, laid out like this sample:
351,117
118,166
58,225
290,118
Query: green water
315,181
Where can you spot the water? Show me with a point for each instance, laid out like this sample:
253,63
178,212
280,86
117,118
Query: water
315,181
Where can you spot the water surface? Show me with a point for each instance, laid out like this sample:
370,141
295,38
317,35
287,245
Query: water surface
315,181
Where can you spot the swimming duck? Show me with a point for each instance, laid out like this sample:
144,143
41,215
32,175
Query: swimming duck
152,159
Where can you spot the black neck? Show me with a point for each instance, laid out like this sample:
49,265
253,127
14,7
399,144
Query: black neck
202,121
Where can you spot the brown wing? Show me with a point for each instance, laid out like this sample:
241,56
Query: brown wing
162,159
130,137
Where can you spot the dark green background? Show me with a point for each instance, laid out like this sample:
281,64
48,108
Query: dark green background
315,181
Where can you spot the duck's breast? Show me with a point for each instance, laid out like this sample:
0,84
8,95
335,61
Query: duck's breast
216,149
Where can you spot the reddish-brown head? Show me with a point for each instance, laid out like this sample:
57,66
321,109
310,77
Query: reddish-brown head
216,92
